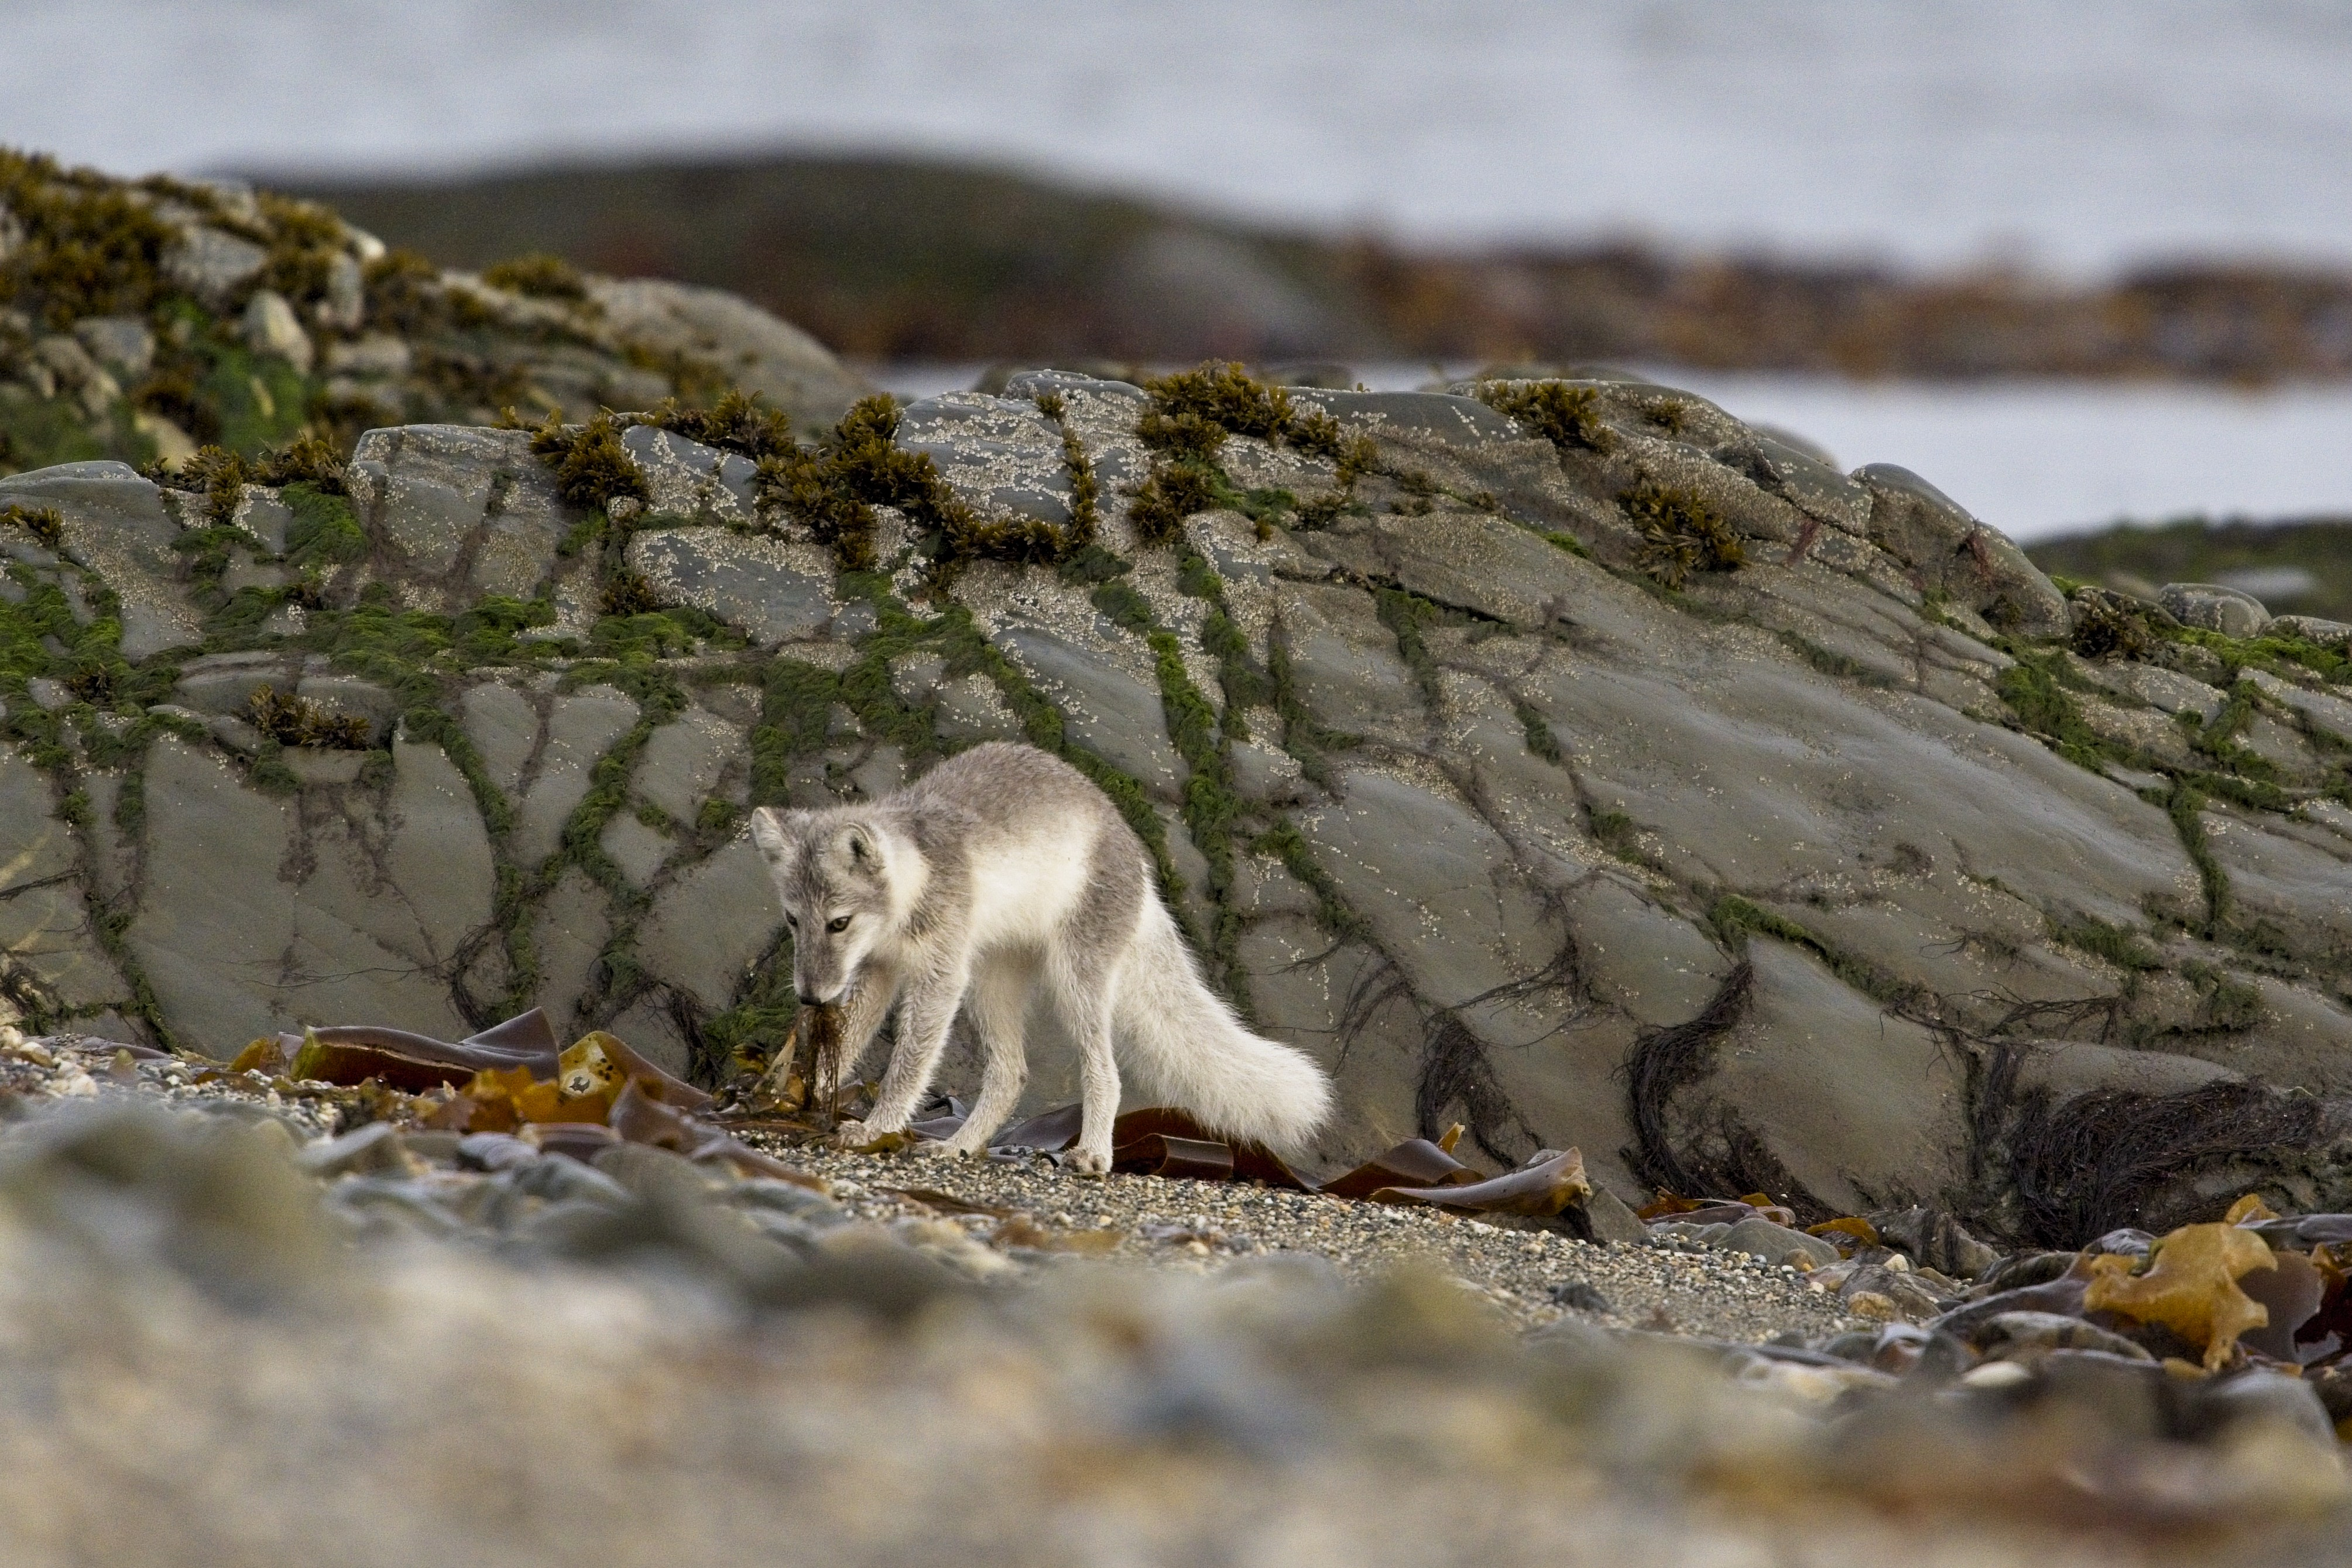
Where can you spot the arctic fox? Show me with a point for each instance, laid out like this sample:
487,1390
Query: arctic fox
1002,870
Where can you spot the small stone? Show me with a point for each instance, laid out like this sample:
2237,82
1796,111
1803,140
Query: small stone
1996,1374
373,1149
1761,1237
121,343
1579,1295
272,328
212,264
345,304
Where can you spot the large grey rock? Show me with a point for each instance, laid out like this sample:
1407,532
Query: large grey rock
581,728
1000,453
775,589
465,511
115,523
1496,813
1108,710
689,480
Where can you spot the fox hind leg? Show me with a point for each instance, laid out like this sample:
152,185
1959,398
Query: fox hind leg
1086,1013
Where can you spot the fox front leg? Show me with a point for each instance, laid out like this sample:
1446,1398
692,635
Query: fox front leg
862,1012
924,1018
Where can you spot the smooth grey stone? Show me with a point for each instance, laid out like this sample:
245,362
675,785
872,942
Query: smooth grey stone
1441,416
2331,633
1951,550
1776,1244
772,591
2213,608
1108,711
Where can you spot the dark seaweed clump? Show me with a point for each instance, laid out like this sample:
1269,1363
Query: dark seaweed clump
292,720
1681,532
1562,414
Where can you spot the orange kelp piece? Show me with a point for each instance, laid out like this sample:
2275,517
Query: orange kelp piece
2249,1210
271,1054
1668,1205
2191,1286
601,1061
505,1098
1861,1229
1539,1189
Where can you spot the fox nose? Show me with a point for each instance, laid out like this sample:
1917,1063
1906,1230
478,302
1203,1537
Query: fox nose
810,998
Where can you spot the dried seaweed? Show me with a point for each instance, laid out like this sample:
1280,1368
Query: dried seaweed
1454,1070
45,524
591,468
1564,416
1666,1060
2078,1169
1681,532
539,275
292,720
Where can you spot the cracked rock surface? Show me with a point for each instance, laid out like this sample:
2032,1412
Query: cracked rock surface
1815,875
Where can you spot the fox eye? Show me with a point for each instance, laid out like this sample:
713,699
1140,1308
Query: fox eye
841,924
792,919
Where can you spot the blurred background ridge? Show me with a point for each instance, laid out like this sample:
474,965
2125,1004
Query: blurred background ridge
2078,263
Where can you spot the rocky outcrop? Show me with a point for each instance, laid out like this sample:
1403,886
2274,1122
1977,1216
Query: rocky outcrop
1849,868
140,319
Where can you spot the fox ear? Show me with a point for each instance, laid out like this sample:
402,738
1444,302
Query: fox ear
774,830
865,850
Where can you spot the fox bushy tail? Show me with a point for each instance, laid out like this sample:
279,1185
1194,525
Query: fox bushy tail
1186,1047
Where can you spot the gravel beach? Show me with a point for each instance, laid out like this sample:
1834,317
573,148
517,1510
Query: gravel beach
233,1330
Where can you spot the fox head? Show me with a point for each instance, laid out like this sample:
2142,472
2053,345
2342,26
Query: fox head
832,871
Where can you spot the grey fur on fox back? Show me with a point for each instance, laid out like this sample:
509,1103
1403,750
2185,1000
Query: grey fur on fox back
999,873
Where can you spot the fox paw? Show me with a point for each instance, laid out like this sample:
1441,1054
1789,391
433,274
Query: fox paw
1086,1162
937,1149
870,1140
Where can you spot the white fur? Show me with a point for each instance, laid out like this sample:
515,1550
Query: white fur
1186,1044
1038,841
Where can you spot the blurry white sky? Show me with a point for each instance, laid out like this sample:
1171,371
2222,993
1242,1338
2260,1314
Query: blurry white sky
2071,135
